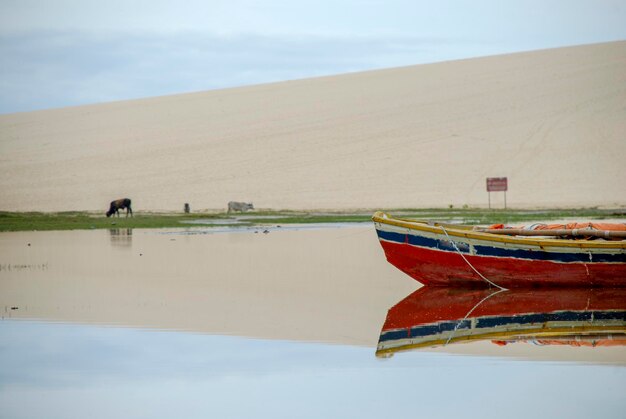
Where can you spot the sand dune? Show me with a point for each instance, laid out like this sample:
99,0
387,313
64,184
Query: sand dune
553,121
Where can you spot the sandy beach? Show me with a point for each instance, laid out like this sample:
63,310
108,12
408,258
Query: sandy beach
552,121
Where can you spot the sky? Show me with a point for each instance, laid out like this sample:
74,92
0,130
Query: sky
74,52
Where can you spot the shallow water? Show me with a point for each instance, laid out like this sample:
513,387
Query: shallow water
189,323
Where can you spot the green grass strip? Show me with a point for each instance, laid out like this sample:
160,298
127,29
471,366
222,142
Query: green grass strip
30,221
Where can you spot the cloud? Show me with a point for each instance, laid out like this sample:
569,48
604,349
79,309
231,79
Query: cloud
72,52
54,69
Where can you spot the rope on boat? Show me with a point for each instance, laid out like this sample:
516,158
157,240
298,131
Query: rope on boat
460,322
468,262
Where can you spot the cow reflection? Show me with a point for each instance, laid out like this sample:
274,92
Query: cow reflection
121,237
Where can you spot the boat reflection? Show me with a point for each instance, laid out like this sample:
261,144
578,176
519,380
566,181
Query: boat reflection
435,316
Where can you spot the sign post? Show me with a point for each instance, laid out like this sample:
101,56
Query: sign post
497,184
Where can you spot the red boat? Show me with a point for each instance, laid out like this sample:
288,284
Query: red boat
436,316
457,255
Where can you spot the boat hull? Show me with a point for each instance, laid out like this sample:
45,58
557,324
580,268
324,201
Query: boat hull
443,259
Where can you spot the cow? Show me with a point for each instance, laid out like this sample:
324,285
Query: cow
119,204
239,206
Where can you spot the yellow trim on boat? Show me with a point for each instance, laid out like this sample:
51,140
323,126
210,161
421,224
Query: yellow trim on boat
468,232
522,333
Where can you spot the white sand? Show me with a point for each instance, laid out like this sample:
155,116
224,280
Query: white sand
553,121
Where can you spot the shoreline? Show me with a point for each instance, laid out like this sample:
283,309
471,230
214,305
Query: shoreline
90,220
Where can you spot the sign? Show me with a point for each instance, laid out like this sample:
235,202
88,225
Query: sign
497,184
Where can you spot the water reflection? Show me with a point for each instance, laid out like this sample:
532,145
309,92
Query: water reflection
121,237
57,370
434,316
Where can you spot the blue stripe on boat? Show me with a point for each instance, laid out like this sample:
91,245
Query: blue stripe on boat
421,331
482,250
444,245
548,256
491,322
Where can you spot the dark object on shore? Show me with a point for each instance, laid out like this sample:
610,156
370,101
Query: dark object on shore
119,204
187,209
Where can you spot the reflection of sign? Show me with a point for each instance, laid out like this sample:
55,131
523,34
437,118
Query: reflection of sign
496,184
